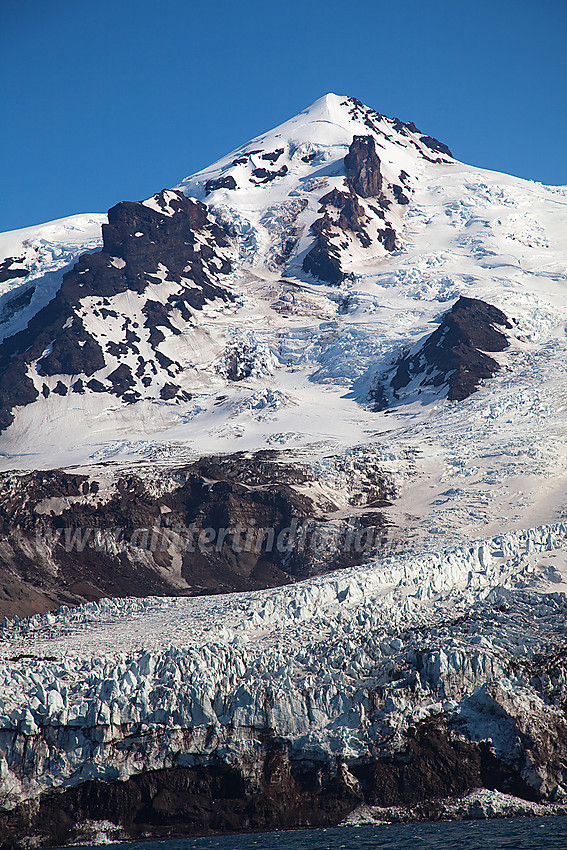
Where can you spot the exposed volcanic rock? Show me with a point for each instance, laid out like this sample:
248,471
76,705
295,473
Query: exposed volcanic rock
144,237
60,535
399,195
169,391
378,123
72,352
364,180
454,356
156,317
17,302
9,269
362,167
402,127
16,388
323,260
388,238
334,198
272,156
169,232
121,379
352,217
264,175
227,182
428,142
435,145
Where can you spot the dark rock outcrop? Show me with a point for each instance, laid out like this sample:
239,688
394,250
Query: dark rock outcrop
399,195
227,182
352,217
9,270
16,302
272,156
334,198
453,356
169,391
323,260
121,379
16,388
72,352
435,145
405,128
364,180
172,231
387,236
60,388
264,175
63,545
362,167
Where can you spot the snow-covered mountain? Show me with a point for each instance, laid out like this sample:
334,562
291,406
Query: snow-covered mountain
214,335
326,272
338,325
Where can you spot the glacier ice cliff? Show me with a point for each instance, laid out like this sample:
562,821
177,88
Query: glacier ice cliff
401,682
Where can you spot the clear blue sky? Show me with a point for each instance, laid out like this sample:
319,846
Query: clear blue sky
115,99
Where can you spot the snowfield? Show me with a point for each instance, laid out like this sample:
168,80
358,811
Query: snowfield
311,351
47,251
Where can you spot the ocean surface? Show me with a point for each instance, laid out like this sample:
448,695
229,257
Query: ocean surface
505,834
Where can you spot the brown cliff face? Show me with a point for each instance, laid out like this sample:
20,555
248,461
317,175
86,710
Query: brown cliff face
64,541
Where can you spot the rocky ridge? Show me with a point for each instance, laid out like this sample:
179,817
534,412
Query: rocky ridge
453,358
169,240
346,216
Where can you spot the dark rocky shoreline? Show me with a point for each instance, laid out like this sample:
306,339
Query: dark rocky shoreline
282,791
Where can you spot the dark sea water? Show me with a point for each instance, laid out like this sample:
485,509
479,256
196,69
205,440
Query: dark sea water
506,834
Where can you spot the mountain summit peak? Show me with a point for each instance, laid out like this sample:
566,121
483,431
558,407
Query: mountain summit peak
319,247
320,134
312,201
329,105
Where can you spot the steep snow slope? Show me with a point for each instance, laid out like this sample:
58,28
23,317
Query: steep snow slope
33,261
288,361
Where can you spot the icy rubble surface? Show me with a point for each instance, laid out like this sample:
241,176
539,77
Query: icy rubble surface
472,569
478,804
297,659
